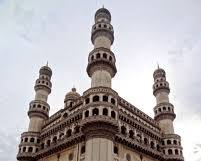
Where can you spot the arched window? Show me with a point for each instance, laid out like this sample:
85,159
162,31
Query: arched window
77,129
175,142
123,130
164,108
159,109
54,139
36,149
86,113
69,132
113,101
87,100
105,111
158,147
176,152
26,139
98,55
168,108
128,157
24,149
110,58
32,140
145,141
115,150
39,106
168,142
92,57
105,98
42,146
96,98
113,114
131,134
152,144
163,143
65,115
48,143
38,141
169,151
83,149
30,149
95,112
105,26
71,104
105,55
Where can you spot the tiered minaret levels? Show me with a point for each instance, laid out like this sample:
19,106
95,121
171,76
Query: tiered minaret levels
164,115
101,62
38,113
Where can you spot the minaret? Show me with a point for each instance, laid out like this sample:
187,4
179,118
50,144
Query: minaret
164,110
39,108
101,61
164,115
38,113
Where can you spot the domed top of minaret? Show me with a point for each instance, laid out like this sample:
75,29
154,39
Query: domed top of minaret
46,70
102,14
72,94
159,72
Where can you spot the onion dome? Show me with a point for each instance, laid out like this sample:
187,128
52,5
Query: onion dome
103,13
159,72
45,70
72,95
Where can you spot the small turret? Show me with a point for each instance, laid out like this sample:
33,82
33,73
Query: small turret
70,98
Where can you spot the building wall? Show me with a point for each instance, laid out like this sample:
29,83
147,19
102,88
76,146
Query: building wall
134,156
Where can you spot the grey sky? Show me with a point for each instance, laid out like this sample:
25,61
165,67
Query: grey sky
146,32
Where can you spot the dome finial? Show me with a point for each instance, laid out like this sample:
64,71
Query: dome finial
103,6
47,64
158,65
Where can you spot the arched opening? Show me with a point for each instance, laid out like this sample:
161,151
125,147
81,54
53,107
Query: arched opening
145,141
65,115
169,151
169,109
95,112
115,150
38,141
139,137
131,134
164,108
77,129
42,146
163,143
113,114
123,130
158,147
105,55
92,57
24,149
175,142
105,111
105,98
54,139
32,140
87,100
30,149
159,109
83,149
152,145
36,149
69,132
26,139
48,143
98,55
176,152
86,113
168,142
96,98
113,101
110,58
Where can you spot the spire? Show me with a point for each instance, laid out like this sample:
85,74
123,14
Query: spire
47,64
158,65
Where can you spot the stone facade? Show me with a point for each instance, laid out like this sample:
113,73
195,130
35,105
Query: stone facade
100,125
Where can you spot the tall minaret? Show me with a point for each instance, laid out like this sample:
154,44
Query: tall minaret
38,113
164,110
101,61
39,108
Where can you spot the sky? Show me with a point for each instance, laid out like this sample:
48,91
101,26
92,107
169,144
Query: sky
58,31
